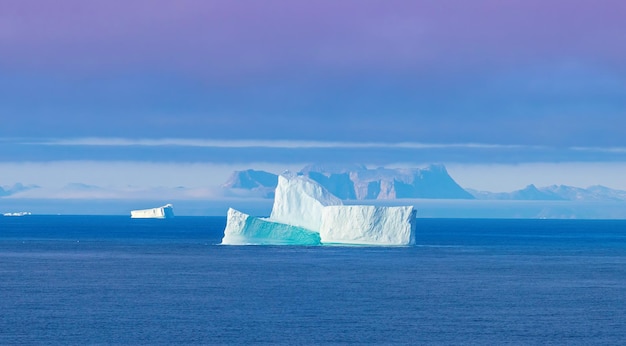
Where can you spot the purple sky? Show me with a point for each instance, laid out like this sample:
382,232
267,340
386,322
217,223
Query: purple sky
515,72
541,81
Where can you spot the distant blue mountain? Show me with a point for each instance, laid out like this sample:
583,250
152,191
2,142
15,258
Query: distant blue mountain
356,182
529,193
555,193
16,188
261,182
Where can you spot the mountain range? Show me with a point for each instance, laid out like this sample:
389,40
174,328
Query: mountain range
16,188
357,182
555,193
348,182
360,183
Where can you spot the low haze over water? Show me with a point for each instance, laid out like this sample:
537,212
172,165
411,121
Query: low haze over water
113,280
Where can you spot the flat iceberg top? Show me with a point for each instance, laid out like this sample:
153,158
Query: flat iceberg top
164,212
305,213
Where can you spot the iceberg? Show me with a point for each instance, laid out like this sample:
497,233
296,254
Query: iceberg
305,213
19,213
245,229
299,201
164,212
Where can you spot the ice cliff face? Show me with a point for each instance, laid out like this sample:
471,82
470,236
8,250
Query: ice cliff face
368,225
305,213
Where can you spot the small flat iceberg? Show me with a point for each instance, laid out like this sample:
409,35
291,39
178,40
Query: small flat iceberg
305,213
164,212
19,213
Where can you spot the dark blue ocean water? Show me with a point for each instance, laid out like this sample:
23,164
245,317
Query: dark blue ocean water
114,280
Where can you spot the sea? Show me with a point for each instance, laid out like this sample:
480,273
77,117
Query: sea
112,280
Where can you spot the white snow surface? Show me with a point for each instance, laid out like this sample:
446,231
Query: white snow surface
305,213
299,201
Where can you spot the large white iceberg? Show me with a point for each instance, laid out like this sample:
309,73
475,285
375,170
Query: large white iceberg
305,213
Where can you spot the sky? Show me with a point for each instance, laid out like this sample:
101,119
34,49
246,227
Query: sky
180,93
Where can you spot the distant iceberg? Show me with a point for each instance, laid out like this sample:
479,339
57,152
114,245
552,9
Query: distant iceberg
19,213
164,212
305,213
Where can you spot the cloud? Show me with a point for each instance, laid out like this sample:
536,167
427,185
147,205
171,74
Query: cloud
617,150
277,144
289,152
